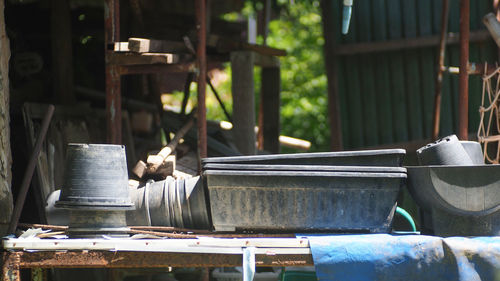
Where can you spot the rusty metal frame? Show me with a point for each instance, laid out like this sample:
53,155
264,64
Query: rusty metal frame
114,72
201,57
463,76
13,262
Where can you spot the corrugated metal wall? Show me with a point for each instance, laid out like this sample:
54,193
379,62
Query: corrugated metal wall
387,97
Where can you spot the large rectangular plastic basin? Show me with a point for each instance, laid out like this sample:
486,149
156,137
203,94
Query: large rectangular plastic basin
291,201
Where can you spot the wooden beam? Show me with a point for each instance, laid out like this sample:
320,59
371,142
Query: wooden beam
62,52
270,95
266,61
141,59
242,87
331,73
401,44
157,68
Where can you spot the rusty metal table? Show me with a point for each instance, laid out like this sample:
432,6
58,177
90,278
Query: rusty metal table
148,253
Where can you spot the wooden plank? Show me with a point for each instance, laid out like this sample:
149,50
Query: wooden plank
397,77
157,68
142,59
382,76
412,76
427,67
121,47
112,259
366,76
200,246
270,94
143,45
242,87
266,60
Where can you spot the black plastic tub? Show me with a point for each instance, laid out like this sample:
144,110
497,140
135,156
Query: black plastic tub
317,168
381,157
463,200
291,201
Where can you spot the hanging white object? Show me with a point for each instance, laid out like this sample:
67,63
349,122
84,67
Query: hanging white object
252,30
346,16
248,263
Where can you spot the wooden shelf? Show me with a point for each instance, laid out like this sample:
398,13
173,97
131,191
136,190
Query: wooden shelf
120,58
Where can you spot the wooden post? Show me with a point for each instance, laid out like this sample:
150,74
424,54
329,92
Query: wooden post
113,87
5,151
62,52
242,63
270,96
463,76
327,7
201,25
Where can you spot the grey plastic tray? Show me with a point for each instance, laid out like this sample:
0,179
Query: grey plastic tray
382,157
302,201
319,168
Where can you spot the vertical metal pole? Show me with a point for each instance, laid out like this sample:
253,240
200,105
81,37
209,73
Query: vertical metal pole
463,76
440,65
113,91
201,26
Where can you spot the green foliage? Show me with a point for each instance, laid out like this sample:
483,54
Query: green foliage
304,102
304,85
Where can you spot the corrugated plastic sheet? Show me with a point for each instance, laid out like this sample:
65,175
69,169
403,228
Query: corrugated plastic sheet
405,257
388,97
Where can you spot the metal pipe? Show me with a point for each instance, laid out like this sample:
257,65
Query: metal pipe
463,77
473,69
28,174
201,25
440,65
